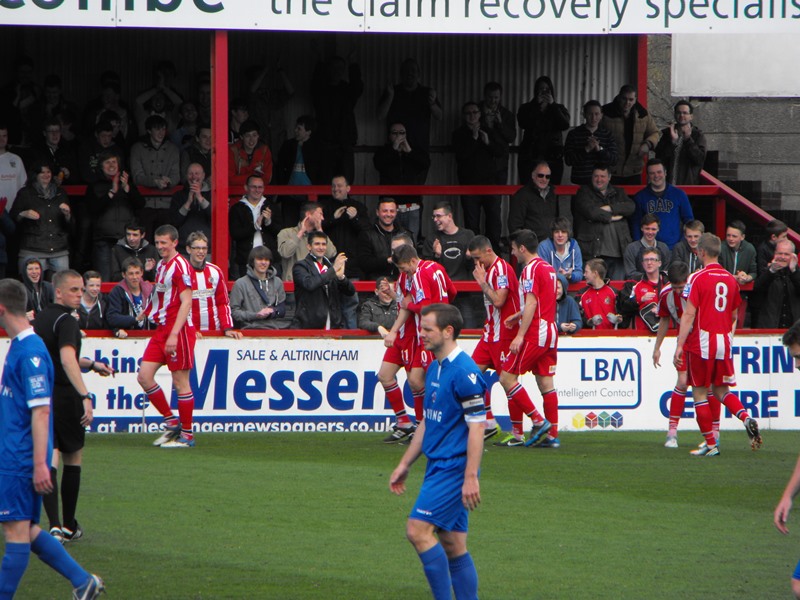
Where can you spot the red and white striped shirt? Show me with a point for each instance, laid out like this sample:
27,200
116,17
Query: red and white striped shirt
172,277
539,278
671,304
211,308
715,295
402,289
500,276
430,284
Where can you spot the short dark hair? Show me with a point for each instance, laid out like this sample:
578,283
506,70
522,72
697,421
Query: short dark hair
654,162
776,227
254,176
386,200
154,122
108,154
131,261
737,224
307,121
312,235
13,295
650,218
445,206
470,103
134,226
258,252
447,315
591,103
381,279
248,126
597,265
791,337
685,103
404,254
492,86
480,242
102,126
627,89
91,274
308,207
678,272
169,230
601,167
526,238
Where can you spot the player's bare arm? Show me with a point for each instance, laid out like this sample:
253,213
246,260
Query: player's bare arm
785,505
687,320
402,317
663,326
531,302
471,491
40,427
180,320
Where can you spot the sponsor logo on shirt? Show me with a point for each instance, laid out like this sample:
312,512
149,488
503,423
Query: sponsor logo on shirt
37,384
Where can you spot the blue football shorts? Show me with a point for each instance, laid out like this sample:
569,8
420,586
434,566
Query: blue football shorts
18,500
439,501
796,574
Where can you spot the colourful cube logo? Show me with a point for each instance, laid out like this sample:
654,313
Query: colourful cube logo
591,420
616,420
604,419
578,421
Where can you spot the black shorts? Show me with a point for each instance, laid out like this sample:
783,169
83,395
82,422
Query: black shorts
68,433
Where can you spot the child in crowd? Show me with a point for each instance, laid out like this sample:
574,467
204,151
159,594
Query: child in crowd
568,315
598,301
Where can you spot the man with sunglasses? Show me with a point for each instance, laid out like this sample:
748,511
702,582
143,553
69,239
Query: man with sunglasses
535,206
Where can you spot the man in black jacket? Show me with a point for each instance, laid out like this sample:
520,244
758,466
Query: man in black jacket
374,244
778,289
320,286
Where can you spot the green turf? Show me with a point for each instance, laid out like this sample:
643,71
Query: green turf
609,515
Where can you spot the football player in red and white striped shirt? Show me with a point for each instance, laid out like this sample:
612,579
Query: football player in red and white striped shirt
534,348
173,342
211,307
501,297
399,354
430,284
705,339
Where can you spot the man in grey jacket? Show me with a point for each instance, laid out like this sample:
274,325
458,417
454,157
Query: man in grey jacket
258,300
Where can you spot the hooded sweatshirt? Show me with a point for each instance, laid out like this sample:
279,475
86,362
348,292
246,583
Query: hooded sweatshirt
251,294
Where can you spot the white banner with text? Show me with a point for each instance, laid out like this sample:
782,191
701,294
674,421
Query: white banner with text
419,16
331,385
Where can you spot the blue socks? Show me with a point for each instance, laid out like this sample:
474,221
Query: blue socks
15,562
437,570
465,577
53,554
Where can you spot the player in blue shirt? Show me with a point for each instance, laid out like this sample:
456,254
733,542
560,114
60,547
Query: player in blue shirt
451,436
25,452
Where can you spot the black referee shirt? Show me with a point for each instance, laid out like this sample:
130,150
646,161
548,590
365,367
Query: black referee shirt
58,328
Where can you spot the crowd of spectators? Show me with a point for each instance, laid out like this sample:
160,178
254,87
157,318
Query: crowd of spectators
161,142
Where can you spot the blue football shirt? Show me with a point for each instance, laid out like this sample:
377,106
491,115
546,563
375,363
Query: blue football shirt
454,396
27,383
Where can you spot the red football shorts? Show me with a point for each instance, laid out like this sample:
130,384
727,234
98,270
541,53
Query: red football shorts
401,353
705,373
491,354
532,359
182,359
422,358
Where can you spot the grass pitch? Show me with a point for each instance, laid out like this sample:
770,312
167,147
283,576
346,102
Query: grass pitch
609,515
